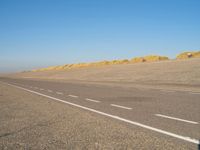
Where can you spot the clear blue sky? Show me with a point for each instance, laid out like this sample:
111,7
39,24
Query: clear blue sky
39,33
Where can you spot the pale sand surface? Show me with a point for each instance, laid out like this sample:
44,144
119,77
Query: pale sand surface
175,74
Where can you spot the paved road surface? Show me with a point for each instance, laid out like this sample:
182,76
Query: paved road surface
170,114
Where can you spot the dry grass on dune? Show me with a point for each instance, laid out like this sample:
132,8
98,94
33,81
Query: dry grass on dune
153,58
104,63
137,60
149,58
187,55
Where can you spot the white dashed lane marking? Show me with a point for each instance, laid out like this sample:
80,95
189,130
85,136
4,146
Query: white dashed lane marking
92,100
50,91
41,89
119,106
74,96
178,119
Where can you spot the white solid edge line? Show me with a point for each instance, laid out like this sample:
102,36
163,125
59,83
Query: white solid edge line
92,100
74,96
188,139
178,119
121,106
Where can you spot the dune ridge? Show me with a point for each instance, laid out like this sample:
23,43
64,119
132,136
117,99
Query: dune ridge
187,55
149,58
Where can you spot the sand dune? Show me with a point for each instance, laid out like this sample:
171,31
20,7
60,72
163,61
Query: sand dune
187,55
149,58
176,72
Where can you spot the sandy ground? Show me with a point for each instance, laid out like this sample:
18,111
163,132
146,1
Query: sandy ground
28,121
178,74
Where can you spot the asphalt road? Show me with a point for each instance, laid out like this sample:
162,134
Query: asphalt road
169,114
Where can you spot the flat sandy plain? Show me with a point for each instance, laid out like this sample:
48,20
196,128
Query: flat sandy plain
172,74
